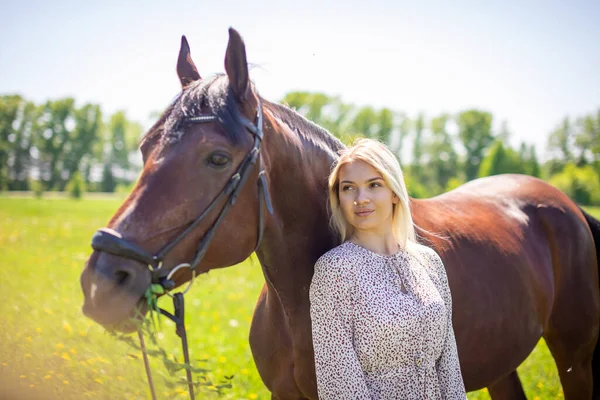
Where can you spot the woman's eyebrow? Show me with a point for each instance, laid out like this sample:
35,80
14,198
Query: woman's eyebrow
367,181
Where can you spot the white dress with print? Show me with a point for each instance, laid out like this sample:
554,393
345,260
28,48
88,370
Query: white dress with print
382,326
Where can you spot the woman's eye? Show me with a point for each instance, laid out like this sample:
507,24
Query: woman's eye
218,159
375,184
346,188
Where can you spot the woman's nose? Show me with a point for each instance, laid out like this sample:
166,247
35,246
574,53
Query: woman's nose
361,199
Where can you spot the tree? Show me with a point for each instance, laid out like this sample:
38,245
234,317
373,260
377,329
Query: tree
364,122
474,131
587,138
442,155
528,157
385,126
404,127
501,160
20,159
326,111
120,140
79,149
417,156
560,144
108,183
56,124
9,109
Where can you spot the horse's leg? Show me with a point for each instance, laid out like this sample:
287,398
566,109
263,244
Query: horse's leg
574,364
508,388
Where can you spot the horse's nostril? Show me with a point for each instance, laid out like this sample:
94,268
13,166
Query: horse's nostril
121,277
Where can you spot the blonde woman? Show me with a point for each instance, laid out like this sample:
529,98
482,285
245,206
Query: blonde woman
380,303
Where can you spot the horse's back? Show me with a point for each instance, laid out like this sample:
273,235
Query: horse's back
514,247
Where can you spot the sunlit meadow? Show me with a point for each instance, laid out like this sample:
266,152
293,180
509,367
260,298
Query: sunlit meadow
48,349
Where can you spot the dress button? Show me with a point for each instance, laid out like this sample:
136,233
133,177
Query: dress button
419,362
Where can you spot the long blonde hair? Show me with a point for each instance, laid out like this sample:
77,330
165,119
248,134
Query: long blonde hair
378,156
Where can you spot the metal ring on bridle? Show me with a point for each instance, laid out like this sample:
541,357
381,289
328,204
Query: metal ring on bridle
172,272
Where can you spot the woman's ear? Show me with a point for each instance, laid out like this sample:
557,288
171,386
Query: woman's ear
395,199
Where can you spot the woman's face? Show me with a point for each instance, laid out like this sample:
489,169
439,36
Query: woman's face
366,201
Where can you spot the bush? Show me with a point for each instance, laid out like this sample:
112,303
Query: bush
38,188
76,185
582,184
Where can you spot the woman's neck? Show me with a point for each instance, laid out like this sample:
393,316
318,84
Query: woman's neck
384,244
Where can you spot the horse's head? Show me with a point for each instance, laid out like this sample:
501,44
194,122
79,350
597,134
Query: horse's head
202,171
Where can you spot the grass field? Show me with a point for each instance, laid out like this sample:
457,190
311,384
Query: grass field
48,349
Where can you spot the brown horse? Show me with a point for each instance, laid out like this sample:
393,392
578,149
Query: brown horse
521,257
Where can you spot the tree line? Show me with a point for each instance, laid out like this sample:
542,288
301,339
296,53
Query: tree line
59,145
48,146
439,153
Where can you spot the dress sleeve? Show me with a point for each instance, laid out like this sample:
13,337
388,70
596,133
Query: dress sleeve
339,373
448,367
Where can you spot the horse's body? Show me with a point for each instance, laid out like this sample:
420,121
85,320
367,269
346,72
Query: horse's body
520,256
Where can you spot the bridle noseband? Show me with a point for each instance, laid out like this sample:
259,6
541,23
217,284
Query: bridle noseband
110,241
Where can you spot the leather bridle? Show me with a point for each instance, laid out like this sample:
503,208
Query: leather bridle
110,241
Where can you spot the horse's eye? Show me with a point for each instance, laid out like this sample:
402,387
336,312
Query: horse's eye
218,159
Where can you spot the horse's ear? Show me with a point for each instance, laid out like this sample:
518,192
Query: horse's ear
236,65
186,69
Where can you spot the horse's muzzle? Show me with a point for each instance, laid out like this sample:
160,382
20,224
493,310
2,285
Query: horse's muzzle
113,288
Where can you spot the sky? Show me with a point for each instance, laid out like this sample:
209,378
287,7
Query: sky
529,63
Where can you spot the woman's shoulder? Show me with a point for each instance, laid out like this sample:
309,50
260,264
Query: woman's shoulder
340,257
426,251
334,269
429,258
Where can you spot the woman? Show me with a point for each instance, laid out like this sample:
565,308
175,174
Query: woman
380,303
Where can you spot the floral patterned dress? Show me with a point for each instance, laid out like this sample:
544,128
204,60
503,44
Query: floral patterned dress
382,326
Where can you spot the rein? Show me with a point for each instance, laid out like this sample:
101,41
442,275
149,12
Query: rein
112,242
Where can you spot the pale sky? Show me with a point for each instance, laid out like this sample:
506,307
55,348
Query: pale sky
527,62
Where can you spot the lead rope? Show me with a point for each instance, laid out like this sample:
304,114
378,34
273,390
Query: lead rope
178,317
147,364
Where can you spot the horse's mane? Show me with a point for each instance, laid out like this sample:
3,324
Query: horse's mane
305,129
204,97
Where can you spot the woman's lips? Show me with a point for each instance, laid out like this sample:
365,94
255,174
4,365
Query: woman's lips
363,213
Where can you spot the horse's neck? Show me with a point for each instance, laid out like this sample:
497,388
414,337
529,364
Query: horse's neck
298,163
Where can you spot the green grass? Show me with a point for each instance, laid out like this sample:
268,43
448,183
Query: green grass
48,349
